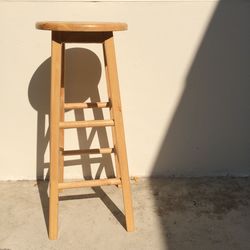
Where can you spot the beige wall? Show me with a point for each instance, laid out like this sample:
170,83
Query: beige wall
184,75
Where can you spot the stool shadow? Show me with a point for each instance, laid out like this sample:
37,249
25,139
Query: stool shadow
82,76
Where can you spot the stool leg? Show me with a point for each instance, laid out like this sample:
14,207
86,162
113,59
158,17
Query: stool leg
62,100
110,59
117,166
56,59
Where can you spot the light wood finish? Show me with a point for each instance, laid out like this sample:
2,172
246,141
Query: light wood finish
56,62
87,124
64,32
89,183
119,130
62,100
117,165
87,105
88,151
81,26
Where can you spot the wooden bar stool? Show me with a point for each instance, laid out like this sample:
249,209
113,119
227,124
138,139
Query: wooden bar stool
84,32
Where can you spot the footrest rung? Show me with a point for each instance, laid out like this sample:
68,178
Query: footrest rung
86,124
89,151
89,183
86,105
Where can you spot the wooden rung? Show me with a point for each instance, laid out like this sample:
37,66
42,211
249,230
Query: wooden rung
86,124
89,151
89,183
85,105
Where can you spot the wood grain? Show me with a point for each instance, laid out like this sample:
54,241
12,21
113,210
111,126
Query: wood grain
56,63
88,151
120,146
89,183
81,26
86,124
87,105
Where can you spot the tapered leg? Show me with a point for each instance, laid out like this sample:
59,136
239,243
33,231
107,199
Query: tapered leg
120,146
117,165
62,100
56,62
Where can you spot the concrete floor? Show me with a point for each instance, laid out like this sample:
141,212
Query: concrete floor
173,214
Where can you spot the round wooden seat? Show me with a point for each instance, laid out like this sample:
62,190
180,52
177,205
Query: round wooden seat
81,26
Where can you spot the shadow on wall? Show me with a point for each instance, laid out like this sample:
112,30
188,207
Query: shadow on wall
82,73
209,133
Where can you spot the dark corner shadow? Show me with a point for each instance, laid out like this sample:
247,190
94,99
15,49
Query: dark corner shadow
209,131
82,76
